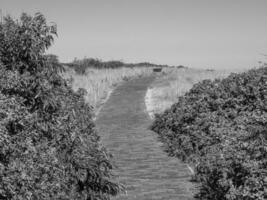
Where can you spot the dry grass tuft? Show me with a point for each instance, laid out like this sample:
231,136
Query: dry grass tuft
99,83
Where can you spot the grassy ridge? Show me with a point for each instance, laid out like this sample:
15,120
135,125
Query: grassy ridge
220,128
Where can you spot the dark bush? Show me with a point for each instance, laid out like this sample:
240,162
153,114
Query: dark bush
157,69
49,148
81,65
220,128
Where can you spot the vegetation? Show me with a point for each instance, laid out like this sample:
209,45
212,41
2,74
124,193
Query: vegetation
100,82
175,82
49,148
220,127
82,65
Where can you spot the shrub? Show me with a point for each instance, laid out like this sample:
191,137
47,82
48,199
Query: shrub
81,65
220,128
49,148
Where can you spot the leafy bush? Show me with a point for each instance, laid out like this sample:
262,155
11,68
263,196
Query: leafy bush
220,127
49,148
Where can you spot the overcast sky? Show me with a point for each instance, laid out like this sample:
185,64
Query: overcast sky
195,33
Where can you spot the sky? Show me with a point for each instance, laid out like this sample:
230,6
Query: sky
195,33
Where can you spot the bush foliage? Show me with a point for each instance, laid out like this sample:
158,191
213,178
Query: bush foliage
220,127
49,148
81,65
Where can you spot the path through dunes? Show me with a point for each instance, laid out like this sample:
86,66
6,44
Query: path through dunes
146,171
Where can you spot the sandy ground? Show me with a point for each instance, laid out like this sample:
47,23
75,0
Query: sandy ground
149,103
103,101
153,103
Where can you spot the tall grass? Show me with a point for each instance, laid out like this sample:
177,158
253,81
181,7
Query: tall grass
99,83
175,82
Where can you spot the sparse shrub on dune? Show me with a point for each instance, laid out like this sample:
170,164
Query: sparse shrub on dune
49,148
220,128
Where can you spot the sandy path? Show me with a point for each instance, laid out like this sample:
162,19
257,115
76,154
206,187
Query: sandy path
146,171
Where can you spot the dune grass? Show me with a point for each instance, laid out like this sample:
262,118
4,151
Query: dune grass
174,82
99,83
